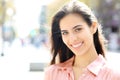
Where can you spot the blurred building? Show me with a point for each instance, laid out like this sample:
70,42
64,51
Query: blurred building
108,12
7,11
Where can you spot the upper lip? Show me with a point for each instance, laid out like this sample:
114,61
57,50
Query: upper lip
76,45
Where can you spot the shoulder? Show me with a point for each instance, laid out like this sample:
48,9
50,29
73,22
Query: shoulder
55,71
65,65
111,73
49,71
115,74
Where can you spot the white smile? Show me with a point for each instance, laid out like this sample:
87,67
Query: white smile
77,45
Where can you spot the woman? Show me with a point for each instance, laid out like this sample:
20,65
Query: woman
78,43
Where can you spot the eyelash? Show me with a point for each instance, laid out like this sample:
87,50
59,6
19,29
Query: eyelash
64,33
77,30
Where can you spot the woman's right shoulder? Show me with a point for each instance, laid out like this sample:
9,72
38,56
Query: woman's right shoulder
49,72
50,67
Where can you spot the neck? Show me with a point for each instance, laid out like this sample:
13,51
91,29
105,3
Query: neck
84,60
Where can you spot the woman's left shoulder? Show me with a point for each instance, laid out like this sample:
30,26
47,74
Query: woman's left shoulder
115,74
112,73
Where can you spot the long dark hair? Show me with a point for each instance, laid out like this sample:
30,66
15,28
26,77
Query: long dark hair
58,47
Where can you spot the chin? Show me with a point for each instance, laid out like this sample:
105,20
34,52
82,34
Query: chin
78,53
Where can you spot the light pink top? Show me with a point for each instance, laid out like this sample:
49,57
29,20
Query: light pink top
97,70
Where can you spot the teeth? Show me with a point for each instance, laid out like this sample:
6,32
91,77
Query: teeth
77,45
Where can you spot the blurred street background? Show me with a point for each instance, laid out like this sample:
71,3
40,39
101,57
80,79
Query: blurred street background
25,35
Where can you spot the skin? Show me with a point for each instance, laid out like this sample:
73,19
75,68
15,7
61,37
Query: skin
78,36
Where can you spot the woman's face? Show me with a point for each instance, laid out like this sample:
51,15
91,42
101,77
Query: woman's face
76,34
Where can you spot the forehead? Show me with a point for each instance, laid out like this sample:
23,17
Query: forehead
71,20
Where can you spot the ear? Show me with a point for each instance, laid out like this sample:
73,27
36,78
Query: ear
94,27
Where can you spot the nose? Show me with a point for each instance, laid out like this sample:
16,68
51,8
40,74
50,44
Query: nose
72,38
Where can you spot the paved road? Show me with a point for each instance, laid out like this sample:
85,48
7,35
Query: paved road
15,65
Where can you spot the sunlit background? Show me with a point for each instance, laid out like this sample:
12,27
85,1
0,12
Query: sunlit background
25,39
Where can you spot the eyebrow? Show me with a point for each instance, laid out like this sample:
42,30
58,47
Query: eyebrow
72,28
63,31
76,26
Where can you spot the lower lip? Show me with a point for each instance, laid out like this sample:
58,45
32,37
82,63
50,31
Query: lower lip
78,46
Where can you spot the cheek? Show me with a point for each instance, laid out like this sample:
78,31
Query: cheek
87,36
88,33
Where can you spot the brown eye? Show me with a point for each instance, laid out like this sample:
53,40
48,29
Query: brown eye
64,32
78,29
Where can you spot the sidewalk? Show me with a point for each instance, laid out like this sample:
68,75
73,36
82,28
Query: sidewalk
15,65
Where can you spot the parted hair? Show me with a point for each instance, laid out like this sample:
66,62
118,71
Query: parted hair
58,48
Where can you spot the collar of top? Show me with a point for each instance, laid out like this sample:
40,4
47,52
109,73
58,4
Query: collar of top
93,67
